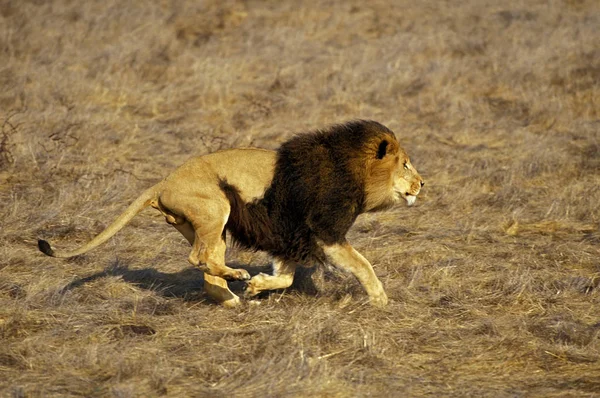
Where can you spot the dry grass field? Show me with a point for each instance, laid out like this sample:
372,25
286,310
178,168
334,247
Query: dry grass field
493,276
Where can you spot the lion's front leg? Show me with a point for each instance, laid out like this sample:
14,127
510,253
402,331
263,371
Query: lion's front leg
345,257
283,277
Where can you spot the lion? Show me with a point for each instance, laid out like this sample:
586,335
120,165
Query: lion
297,204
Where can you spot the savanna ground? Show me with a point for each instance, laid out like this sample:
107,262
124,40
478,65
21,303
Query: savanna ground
494,275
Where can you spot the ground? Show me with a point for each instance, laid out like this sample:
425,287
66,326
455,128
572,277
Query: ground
493,276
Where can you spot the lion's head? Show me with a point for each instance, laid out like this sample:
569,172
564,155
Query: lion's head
390,176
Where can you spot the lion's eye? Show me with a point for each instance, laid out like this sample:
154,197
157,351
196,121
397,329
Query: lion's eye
406,165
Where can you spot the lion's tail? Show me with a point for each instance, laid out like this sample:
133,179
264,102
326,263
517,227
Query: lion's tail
138,205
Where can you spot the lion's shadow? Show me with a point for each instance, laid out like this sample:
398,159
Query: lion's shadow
187,284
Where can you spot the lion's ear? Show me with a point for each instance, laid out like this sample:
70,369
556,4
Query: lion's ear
382,150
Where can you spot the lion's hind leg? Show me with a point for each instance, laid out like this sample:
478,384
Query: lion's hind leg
208,250
209,256
215,286
283,277
207,217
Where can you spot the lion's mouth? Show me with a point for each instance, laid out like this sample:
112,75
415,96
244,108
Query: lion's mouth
410,199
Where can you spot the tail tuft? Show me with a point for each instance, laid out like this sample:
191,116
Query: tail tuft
45,248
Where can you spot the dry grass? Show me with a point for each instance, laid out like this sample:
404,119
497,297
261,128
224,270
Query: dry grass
494,276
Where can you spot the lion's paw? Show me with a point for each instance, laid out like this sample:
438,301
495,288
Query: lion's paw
380,300
238,274
252,287
232,302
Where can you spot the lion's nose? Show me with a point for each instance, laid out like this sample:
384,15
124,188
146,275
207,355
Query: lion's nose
422,183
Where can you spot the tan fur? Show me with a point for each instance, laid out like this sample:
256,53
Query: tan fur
191,201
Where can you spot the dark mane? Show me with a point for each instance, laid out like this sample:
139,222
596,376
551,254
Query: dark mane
317,192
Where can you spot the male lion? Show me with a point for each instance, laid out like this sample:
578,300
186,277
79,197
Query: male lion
297,204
